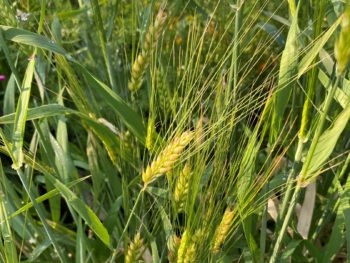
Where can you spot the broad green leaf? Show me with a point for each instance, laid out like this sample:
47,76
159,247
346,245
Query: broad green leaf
32,39
80,243
155,254
327,143
128,116
21,116
286,77
317,47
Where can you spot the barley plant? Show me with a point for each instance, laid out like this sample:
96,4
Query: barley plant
174,131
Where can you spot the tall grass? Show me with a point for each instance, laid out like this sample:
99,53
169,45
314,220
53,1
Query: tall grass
179,131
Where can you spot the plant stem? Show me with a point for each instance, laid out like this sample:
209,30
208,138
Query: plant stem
285,224
303,173
319,129
103,43
290,181
127,224
233,75
263,228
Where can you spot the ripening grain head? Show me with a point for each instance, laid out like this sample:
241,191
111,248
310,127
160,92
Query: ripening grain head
167,158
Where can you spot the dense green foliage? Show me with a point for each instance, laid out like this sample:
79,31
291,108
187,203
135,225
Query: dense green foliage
174,131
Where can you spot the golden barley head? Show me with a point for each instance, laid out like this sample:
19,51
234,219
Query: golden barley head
222,230
181,187
173,245
167,158
142,61
134,250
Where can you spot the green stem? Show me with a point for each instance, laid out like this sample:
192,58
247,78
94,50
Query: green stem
306,165
103,44
285,224
263,228
233,75
290,181
319,129
127,225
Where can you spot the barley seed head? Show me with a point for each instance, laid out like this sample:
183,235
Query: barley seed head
167,158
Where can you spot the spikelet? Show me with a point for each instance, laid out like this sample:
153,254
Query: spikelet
134,250
199,132
163,91
222,230
188,250
193,249
173,245
342,47
167,158
181,187
150,133
181,253
7,15
190,256
142,60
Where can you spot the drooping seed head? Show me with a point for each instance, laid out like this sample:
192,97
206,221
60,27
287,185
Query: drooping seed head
181,187
134,250
181,253
222,230
167,158
173,246
142,61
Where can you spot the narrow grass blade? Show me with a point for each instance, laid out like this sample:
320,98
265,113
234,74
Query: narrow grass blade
85,212
32,39
340,95
317,47
45,197
44,111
